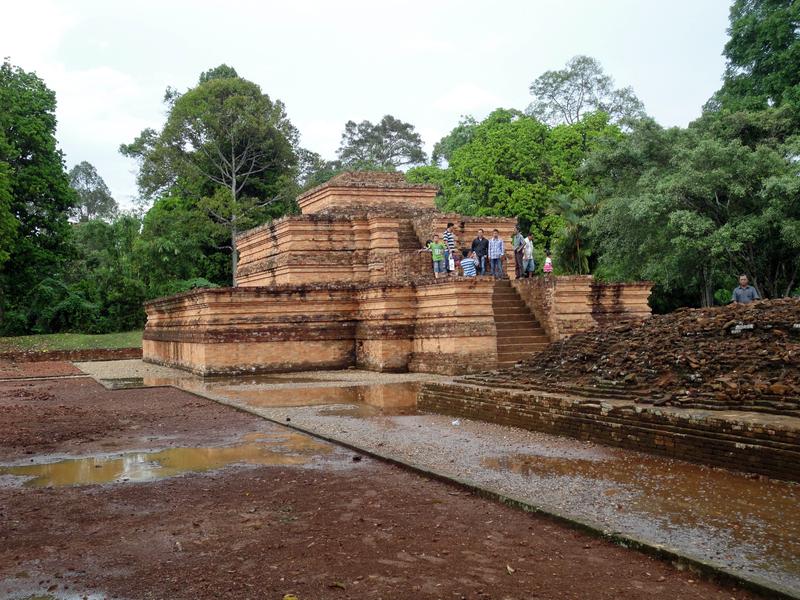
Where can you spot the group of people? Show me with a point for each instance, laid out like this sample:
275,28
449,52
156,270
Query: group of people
484,255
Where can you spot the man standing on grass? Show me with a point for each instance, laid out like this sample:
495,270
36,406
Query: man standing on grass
496,252
450,245
744,294
480,246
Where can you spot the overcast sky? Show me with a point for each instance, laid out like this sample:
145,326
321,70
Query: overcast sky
424,62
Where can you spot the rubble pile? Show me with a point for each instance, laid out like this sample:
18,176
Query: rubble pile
737,357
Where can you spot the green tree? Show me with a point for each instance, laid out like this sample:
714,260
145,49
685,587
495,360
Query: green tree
94,197
572,250
763,56
226,145
692,208
514,166
566,95
34,187
460,135
8,223
177,244
388,144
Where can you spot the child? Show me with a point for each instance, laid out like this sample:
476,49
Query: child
436,248
548,265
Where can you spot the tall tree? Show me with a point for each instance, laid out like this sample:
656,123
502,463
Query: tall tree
34,187
763,55
389,144
225,144
564,96
515,166
94,197
460,135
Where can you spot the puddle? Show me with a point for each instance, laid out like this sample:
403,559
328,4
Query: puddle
734,518
359,400
258,449
199,383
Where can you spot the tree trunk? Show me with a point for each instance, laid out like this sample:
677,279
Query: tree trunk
234,249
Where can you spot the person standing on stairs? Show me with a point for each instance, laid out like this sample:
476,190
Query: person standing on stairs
449,239
497,251
480,246
436,248
528,264
518,243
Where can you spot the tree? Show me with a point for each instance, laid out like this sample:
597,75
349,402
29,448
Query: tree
389,144
514,166
697,208
763,56
94,197
8,224
34,188
564,96
461,135
226,145
571,245
223,71
314,170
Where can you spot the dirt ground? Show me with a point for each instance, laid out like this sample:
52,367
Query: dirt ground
14,369
337,528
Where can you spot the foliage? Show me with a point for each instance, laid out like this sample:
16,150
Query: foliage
566,95
763,56
228,147
461,135
692,207
571,245
34,190
514,166
94,197
388,144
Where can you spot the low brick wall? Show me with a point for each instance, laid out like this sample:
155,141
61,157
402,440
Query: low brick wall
568,304
743,444
87,355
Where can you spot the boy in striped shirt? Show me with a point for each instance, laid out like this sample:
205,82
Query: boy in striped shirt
449,239
469,265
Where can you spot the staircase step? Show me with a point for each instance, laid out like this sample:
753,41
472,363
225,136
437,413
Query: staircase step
521,348
513,338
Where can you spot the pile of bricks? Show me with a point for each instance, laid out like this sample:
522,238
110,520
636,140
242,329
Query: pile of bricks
737,357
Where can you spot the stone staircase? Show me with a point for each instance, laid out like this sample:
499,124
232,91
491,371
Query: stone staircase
407,237
518,333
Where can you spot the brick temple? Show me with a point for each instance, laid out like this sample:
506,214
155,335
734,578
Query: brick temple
343,284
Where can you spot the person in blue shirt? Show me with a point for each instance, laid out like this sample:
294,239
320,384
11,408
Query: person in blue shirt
744,293
469,265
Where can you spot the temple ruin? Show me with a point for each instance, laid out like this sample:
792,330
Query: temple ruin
343,284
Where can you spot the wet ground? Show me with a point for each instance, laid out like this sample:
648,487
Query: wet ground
750,526
156,493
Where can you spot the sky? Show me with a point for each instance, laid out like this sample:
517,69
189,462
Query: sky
426,63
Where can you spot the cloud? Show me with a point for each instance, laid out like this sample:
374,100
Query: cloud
467,98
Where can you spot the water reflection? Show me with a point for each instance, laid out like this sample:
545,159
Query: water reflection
258,449
759,519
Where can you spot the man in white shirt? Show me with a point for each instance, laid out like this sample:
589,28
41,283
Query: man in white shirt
528,264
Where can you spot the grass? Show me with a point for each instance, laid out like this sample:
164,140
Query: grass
71,341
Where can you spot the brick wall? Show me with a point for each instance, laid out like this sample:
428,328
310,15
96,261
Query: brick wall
676,433
569,304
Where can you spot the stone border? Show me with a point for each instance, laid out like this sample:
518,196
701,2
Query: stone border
85,355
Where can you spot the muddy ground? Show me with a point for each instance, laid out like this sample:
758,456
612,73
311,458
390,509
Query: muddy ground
333,527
